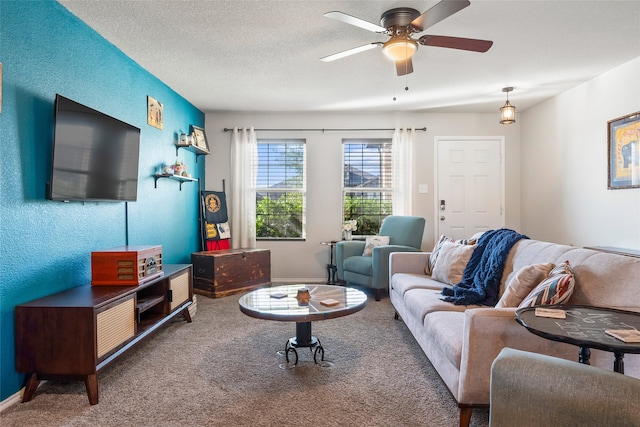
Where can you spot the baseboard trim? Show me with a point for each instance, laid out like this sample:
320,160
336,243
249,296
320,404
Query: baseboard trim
289,281
15,398
11,400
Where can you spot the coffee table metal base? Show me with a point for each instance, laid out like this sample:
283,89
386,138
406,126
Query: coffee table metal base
303,339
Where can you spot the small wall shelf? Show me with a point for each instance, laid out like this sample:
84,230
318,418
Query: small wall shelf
178,178
199,151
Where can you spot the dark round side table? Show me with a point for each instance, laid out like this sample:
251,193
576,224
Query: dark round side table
585,327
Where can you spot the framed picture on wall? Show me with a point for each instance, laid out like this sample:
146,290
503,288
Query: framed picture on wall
624,152
154,113
199,138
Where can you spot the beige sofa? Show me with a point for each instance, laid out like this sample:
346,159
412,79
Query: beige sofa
462,341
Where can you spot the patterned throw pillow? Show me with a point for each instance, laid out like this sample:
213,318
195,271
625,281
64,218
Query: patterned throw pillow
372,242
525,279
555,289
436,249
452,260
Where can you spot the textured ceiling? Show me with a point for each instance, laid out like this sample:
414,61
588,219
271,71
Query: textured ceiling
251,55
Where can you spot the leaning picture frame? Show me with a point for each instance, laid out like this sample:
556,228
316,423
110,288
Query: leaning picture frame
624,152
199,138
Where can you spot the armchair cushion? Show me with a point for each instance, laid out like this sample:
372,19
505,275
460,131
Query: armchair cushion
372,242
359,264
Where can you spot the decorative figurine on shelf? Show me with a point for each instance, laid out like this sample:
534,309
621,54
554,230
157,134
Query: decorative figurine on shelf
179,167
348,227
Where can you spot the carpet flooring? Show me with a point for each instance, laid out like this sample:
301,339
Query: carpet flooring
222,370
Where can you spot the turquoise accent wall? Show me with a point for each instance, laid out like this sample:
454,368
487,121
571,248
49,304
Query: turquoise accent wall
46,246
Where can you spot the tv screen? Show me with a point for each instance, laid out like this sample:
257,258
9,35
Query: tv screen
95,156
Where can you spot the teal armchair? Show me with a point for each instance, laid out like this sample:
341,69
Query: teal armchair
405,235
536,390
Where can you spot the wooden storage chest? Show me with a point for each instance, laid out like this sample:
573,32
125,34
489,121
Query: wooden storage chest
229,271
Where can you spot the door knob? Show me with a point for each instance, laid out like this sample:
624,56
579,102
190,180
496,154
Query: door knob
442,218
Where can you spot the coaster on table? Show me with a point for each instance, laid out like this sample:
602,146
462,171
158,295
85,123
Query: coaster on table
279,295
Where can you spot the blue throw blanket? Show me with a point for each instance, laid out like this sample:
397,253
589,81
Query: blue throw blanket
481,278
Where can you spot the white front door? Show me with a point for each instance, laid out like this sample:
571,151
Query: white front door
470,185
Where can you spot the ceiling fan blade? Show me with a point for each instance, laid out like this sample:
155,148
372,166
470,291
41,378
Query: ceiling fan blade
352,20
350,52
461,43
404,67
437,13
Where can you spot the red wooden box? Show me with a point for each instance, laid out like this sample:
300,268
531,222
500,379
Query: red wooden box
126,265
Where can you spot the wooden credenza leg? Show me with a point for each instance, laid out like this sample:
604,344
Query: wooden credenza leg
91,383
31,387
186,314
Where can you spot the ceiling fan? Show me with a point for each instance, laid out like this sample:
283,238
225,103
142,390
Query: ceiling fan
400,24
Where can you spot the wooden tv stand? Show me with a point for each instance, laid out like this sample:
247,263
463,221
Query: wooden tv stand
73,334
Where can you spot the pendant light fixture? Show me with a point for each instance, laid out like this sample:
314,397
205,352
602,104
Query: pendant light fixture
508,112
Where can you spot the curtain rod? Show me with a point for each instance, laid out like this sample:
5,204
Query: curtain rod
424,129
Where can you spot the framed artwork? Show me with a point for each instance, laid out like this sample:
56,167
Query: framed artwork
624,152
199,138
154,113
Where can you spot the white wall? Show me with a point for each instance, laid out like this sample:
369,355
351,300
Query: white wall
564,167
307,260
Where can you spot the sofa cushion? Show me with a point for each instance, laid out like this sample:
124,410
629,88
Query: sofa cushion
438,246
402,282
446,329
359,264
555,289
520,285
452,260
372,242
421,302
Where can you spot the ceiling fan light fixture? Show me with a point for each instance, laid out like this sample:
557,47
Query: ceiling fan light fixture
508,111
400,48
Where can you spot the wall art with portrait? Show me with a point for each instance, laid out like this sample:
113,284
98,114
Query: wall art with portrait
154,112
624,152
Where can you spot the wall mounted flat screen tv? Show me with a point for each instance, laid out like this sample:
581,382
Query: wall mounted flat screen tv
95,156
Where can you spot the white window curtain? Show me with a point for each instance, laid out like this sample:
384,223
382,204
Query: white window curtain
244,153
402,170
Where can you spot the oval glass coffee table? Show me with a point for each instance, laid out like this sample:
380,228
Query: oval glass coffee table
280,303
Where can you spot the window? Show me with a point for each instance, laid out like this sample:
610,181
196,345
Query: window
366,188
280,189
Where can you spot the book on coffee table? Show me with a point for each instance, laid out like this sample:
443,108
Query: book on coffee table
626,335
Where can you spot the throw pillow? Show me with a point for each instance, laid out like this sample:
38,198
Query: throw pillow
452,260
525,279
436,250
555,289
372,242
